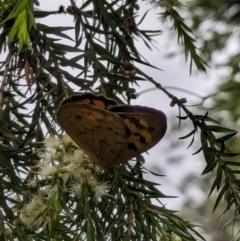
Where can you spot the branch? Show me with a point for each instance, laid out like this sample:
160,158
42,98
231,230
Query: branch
209,135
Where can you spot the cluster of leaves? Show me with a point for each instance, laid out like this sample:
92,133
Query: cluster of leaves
224,187
223,23
217,25
216,154
64,206
185,34
219,157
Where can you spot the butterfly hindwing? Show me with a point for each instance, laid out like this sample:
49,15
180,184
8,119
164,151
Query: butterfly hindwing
145,128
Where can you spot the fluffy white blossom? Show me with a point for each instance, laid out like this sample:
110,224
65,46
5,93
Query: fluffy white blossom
47,171
33,183
52,142
76,188
30,213
100,190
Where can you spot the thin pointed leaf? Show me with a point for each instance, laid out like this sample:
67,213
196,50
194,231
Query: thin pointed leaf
191,141
233,163
219,197
197,151
225,138
188,135
218,129
210,167
216,183
182,117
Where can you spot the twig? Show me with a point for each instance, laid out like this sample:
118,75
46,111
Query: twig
174,88
179,102
228,89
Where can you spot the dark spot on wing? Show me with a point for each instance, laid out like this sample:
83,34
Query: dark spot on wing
129,133
151,129
134,121
78,116
103,141
131,146
82,133
92,102
90,129
142,139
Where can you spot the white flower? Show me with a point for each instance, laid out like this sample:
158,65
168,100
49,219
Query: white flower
52,152
67,140
35,204
93,183
98,169
52,190
9,232
65,178
45,156
76,163
27,221
77,157
100,190
31,211
32,183
47,171
76,188
52,142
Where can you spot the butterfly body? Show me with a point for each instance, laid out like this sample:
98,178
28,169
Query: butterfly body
109,133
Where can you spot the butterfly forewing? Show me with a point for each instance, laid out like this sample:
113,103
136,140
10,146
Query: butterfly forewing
99,133
98,101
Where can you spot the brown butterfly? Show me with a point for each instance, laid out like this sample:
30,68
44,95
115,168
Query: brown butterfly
110,133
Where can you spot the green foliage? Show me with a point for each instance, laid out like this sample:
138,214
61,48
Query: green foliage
226,99
185,34
23,20
217,22
35,78
70,199
216,155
